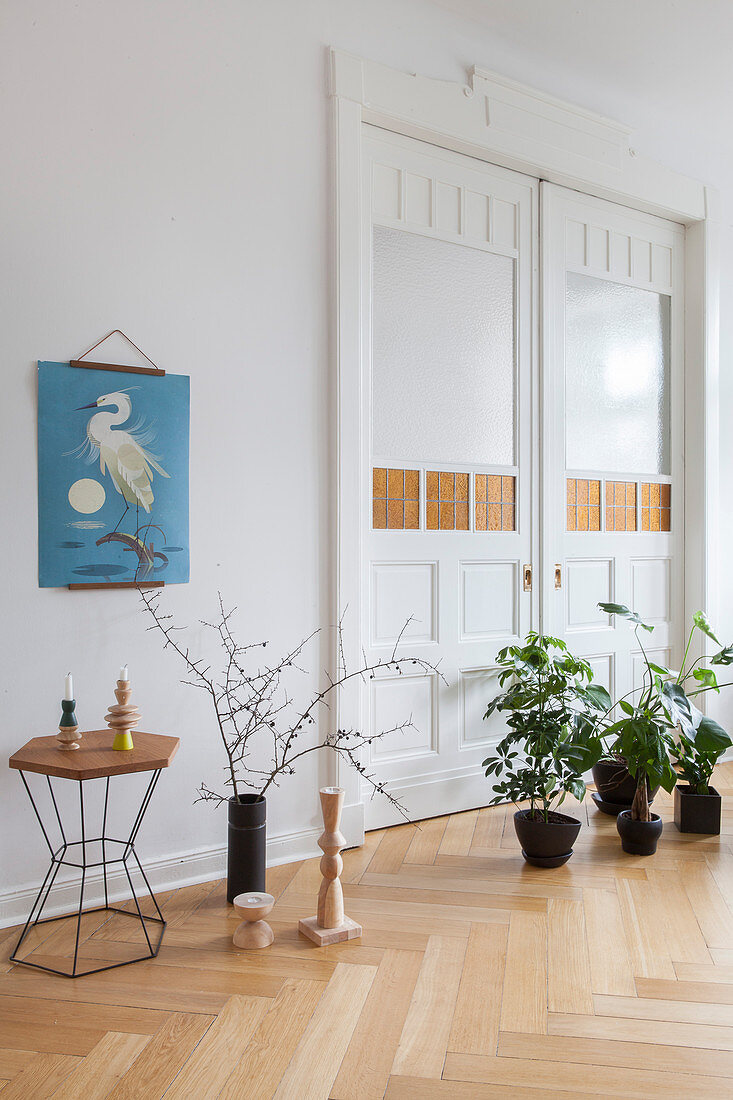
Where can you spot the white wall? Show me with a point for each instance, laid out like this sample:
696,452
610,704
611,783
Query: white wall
166,171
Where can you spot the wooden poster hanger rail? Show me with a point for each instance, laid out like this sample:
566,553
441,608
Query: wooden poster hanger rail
152,369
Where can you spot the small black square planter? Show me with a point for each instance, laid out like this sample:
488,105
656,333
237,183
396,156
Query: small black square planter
697,813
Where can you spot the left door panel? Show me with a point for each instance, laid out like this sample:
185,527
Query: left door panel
448,497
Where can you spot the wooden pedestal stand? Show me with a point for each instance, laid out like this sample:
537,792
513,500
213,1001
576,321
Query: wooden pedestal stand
254,932
122,716
329,924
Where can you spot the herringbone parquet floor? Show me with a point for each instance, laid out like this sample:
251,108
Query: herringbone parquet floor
477,976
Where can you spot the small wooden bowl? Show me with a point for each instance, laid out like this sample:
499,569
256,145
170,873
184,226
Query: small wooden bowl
254,932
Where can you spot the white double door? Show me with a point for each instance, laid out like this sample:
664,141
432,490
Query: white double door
494,435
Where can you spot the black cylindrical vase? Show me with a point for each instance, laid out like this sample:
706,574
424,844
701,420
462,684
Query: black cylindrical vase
246,850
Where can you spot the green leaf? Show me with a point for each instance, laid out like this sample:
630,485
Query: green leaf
707,677
623,612
701,621
710,737
599,697
677,705
725,657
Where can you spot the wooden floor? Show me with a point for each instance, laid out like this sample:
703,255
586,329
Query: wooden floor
476,976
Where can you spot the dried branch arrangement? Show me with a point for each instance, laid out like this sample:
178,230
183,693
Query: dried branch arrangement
253,704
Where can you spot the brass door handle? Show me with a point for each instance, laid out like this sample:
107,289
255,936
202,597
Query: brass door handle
558,575
527,573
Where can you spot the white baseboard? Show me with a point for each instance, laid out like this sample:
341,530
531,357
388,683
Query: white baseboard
164,873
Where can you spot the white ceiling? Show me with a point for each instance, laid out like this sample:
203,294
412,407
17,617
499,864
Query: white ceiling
664,67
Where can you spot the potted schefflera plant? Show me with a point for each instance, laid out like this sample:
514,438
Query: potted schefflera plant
661,723
552,710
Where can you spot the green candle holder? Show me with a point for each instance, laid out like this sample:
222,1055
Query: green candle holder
68,736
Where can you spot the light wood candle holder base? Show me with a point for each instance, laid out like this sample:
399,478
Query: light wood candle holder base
254,932
67,738
330,924
347,930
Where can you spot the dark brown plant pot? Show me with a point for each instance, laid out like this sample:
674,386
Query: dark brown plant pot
546,843
246,849
615,783
639,838
697,813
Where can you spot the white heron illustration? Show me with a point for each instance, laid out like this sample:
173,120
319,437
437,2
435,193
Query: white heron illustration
122,453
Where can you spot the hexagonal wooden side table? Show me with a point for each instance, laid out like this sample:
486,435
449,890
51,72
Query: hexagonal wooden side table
95,759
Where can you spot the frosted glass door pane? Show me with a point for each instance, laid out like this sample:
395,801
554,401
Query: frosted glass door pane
443,385
616,377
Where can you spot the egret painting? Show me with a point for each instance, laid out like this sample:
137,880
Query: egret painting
112,476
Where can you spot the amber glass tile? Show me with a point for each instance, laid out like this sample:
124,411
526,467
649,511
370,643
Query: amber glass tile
447,517
498,491
583,510
412,515
412,484
656,511
447,486
395,499
462,487
462,515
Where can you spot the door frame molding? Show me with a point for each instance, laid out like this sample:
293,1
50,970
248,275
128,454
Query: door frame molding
514,126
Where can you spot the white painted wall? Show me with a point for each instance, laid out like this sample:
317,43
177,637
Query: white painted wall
167,171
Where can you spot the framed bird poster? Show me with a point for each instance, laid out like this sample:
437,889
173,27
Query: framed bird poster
112,476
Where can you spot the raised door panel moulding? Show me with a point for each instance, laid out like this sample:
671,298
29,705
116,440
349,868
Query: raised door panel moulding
476,687
657,656
588,581
519,127
603,665
651,588
402,591
396,700
489,599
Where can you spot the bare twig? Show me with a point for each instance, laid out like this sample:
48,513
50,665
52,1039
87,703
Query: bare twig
253,706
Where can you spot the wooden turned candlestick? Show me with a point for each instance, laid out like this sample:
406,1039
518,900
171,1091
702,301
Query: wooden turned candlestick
330,925
254,932
68,736
122,716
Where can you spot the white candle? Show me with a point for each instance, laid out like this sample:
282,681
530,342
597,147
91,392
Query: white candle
69,687
124,674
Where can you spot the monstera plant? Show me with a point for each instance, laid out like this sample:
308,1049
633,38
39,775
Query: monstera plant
660,723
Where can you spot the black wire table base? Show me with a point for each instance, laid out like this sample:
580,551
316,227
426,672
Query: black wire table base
61,856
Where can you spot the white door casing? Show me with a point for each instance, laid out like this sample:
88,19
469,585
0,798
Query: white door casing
613,377
451,248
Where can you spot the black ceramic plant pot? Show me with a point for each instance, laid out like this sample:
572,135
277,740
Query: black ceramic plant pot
639,838
615,783
246,849
697,813
546,843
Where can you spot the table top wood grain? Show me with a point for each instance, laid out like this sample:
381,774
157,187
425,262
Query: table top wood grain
95,758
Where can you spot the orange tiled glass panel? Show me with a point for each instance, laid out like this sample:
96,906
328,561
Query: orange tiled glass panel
395,499
656,506
446,501
495,496
620,505
583,504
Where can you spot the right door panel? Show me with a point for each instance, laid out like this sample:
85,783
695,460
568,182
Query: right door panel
613,429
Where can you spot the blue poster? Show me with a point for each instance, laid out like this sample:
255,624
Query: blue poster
112,476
